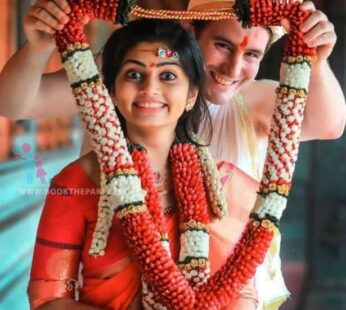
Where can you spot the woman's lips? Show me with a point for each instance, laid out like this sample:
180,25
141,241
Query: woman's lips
149,106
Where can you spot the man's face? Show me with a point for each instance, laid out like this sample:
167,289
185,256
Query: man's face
231,57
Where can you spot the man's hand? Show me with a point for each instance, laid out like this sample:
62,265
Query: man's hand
43,19
318,32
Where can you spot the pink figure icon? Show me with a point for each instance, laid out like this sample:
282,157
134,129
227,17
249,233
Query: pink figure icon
26,148
27,154
40,172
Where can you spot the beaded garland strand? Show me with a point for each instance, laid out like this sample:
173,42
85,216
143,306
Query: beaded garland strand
183,15
283,141
167,285
193,215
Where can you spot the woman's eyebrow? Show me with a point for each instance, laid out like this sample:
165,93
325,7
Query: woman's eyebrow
135,62
167,63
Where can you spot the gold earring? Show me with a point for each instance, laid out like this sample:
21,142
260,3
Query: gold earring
189,105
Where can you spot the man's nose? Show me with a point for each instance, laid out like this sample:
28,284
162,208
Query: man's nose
234,66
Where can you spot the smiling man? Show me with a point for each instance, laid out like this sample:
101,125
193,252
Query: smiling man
232,56
231,60
241,107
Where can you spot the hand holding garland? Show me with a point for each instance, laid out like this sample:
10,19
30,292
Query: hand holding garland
324,118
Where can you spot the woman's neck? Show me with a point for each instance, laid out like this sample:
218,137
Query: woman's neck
157,142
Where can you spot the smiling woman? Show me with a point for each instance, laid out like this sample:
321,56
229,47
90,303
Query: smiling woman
142,83
146,66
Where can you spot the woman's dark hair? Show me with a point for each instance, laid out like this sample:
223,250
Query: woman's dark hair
176,38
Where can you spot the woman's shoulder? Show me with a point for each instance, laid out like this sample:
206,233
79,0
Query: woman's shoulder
83,172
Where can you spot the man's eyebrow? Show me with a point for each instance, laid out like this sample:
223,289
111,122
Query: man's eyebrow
223,39
228,42
160,64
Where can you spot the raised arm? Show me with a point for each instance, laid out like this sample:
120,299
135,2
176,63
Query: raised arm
24,91
325,112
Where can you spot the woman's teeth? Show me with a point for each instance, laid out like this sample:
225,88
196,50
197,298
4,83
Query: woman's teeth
150,105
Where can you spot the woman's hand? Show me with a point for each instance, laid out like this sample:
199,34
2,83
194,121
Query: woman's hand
43,19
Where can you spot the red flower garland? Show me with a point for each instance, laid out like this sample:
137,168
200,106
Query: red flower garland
269,13
188,184
152,198
168,284
239,268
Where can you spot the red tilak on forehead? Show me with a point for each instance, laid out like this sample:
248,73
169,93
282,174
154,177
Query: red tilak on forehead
243,44
152,64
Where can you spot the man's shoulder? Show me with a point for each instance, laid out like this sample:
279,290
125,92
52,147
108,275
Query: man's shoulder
260,94
260,88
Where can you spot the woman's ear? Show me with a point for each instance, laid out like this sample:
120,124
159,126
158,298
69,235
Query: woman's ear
193,93
191,99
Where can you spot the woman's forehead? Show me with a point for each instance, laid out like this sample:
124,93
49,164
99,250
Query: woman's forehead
150,51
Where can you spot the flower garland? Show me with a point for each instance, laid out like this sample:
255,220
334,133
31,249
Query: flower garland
193,210
283,141
213,184
138,209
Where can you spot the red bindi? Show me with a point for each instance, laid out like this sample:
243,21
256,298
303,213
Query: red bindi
152,64
243,44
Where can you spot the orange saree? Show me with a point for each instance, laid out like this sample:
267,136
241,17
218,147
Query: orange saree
62,267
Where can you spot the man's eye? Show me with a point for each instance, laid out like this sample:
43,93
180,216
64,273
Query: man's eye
133,75
251,54
168,76
222,45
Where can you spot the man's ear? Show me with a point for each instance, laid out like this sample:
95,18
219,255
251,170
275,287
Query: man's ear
187,24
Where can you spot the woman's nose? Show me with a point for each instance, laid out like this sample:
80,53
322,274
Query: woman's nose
150,85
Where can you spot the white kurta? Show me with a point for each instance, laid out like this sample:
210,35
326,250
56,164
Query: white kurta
234,140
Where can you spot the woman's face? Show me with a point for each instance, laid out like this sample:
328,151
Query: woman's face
151,91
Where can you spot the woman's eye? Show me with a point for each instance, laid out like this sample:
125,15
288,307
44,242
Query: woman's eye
133,75
168,76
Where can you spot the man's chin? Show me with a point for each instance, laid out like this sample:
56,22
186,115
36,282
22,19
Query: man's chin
220,98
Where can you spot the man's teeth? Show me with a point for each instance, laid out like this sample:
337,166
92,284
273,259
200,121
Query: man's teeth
221,80
150,105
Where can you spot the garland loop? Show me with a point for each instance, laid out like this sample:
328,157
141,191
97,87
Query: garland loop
187,285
